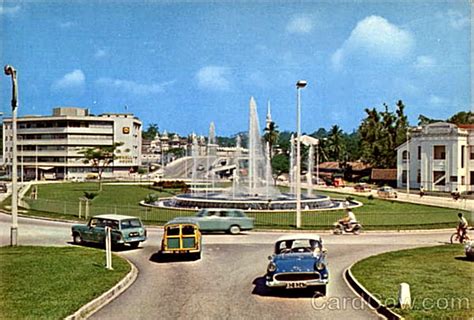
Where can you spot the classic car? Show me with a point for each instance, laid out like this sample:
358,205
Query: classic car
386,192
299,261
124,230
228,220
469,249
181,238
361,187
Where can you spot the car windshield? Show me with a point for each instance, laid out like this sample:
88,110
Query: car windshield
172,230
132,223
201,213
297,246
188,230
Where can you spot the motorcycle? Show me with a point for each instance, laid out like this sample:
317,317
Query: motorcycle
342,228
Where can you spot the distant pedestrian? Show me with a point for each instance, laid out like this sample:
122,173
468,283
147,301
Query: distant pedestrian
456,195
422,192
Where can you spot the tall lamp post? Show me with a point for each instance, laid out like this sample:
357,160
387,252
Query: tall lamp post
408,162
10,71
299,85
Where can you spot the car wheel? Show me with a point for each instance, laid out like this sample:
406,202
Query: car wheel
77,239
134,245
321,290
337,230
234,229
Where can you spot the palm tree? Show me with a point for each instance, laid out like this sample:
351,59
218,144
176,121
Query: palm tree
336,143
271,136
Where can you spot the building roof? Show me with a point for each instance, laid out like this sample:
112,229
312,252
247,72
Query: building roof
384,174
466,126
114,217
334,165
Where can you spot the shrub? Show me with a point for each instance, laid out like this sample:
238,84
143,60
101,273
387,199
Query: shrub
151,198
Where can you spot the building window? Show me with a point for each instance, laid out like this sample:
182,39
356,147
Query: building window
471,157
405,155
463,150
418,176
439,178
419,152
404,176
471,181
439,152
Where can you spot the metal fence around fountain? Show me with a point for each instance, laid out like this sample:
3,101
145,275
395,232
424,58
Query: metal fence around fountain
269,219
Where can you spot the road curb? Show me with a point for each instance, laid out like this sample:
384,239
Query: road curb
372,301
95,305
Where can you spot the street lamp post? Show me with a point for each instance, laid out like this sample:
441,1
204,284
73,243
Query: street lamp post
299,85
408,162
10,71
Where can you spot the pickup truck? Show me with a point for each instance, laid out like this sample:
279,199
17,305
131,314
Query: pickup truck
125,230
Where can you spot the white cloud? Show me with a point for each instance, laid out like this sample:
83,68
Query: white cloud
457,20
133,87
213,77
100,53
376,37
71,80
9,10
301,24
437,101
424,62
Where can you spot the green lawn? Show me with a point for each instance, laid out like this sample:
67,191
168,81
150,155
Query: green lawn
53,282
440,279
63,200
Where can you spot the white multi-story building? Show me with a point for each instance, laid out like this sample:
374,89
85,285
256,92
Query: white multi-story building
439,157
50,146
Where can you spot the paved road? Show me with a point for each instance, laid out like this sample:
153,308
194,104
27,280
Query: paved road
227,282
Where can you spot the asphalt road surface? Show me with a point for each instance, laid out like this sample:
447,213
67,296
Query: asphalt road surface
227,283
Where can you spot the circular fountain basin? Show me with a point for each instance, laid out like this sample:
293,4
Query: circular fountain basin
282,201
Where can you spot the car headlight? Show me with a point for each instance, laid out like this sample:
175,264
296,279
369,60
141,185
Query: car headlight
319,266
271,267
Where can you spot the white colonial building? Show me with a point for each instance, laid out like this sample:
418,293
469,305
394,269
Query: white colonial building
439,157
50,146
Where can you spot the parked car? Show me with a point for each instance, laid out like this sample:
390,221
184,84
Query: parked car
228,220
469,249
125,230
3,187
181,238
338,182
386,192
299,261
361,187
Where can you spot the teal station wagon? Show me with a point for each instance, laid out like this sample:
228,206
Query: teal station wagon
125,230
228,220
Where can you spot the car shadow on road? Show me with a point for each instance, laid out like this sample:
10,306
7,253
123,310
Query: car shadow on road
158,257
261,289
121,248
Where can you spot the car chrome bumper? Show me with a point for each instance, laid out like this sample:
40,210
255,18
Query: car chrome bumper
307,283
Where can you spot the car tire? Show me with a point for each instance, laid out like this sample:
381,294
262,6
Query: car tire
321,290
77,239
235,229
134,245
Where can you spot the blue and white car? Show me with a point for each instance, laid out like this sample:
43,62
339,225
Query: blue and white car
299,261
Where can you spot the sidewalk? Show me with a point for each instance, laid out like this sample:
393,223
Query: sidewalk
447,202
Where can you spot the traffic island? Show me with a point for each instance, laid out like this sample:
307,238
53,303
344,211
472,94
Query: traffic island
440,280
55,282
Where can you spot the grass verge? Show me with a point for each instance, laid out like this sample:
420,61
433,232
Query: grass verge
62,200
53,282
440,279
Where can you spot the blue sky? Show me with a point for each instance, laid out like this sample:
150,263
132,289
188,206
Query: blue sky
184,64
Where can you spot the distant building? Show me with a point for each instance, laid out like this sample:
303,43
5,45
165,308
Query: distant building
440,158
49,146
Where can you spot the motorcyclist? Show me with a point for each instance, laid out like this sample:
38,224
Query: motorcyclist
349,221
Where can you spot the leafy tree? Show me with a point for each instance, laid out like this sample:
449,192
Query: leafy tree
280,164
151,132
380,133
462,118
178,152
100,158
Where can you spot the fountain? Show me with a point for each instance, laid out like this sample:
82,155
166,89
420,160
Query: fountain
252,182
